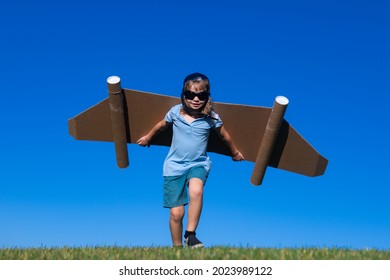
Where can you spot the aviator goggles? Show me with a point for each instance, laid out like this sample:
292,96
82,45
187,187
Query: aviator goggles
204,95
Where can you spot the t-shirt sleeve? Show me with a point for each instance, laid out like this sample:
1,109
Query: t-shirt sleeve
169,117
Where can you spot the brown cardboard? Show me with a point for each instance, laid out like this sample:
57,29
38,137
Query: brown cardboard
246,125
118,121
269,140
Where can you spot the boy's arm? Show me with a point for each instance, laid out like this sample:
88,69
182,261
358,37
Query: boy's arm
225,136
145,140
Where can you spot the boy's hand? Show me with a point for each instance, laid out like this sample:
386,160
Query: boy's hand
238,156
144,141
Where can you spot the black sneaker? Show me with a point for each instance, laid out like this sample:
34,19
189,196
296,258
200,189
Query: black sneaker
193,242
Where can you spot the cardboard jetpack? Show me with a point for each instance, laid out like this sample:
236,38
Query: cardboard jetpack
261,134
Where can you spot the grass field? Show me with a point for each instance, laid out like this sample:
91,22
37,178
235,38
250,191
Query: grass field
212,253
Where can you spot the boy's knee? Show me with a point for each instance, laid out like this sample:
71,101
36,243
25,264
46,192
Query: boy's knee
177,213
196,193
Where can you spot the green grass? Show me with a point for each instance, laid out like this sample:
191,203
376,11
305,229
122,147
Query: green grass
212,253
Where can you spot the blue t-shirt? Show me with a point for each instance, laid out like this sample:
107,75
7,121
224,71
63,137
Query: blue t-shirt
189,142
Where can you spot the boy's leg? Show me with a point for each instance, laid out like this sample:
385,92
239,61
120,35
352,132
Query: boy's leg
176,224
195,189
194,210
175,193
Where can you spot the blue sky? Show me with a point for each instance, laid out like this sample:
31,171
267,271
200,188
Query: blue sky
330,58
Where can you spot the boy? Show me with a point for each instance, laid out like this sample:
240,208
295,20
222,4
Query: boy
187,163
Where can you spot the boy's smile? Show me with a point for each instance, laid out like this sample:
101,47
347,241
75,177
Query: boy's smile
195,104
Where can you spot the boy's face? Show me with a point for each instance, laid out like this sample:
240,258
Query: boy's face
195,103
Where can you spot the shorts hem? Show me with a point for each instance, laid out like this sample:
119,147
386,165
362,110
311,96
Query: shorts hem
182,204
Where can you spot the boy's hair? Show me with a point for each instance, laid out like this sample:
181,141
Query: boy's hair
201,83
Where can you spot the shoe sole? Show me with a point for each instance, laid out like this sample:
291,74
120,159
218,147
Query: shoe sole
196,246
200,245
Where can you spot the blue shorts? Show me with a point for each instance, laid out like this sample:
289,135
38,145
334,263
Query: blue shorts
175,187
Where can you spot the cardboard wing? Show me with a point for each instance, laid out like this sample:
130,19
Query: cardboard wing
259,135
